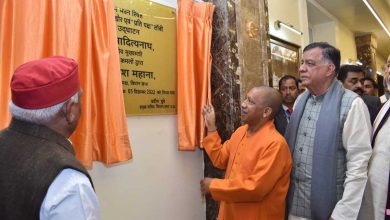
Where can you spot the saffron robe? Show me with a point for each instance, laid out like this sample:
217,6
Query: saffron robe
257,173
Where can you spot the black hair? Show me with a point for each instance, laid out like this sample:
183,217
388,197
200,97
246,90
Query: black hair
345,69
286,77
373,82
329,52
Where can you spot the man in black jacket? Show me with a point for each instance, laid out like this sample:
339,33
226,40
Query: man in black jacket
40,177
352,77
288,87
370,87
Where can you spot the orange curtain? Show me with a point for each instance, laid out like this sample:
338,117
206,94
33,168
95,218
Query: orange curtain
193,66
84,30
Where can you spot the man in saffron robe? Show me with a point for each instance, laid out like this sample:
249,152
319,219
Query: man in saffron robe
256,158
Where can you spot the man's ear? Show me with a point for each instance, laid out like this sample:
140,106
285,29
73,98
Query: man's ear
267,112
331,69
67,111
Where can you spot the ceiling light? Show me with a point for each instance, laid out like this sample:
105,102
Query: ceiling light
377,16
278,24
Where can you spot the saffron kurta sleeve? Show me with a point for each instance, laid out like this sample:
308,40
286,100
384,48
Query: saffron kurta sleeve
218,153
257,173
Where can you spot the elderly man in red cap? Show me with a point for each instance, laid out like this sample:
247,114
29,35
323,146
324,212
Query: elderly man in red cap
40,177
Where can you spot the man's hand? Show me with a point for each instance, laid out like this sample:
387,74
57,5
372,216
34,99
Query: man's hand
209,118
205,185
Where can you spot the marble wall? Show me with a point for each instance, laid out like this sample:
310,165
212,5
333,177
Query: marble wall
225,85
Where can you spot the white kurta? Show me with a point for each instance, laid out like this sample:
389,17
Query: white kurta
70,196
375,195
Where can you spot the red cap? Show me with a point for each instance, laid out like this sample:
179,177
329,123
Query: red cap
45,82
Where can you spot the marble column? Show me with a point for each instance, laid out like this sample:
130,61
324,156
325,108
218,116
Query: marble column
241,55
366,49
225,84
366,52
253,44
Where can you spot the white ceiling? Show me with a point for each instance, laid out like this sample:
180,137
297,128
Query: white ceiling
355,16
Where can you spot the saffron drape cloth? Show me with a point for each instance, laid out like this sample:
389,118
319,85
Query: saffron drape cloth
193,69
84,30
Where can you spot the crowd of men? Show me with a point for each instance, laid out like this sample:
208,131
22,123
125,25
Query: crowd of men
320,152
336,130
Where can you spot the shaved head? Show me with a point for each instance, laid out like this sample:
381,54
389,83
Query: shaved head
269,97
